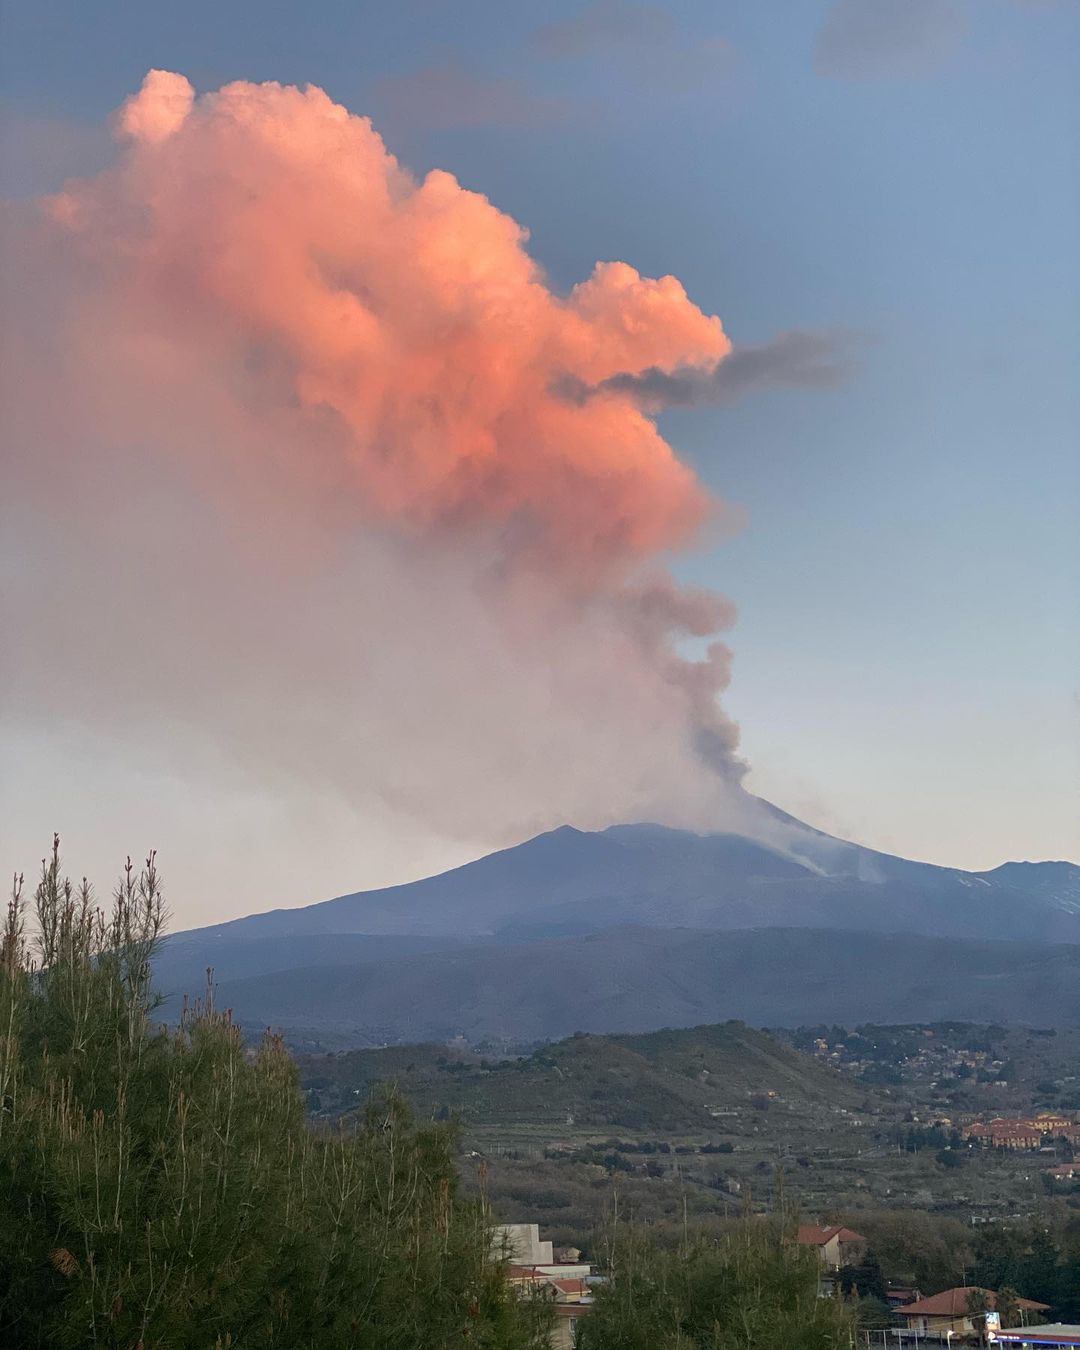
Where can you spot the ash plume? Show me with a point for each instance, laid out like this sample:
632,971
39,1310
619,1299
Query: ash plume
295,491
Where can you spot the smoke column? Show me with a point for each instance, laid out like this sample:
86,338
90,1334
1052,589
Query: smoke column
301,493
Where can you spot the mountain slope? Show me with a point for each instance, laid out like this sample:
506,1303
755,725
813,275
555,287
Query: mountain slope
637,980
181,968
1057,882
570,881
641,926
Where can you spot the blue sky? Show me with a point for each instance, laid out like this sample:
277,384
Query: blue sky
899,174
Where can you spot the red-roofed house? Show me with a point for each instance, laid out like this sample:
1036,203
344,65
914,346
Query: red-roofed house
564,1284
837,1246
949,1311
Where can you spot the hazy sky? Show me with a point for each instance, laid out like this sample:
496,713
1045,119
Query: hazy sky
895,180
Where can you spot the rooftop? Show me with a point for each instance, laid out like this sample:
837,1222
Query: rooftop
955,1303
1052,1333
813,1235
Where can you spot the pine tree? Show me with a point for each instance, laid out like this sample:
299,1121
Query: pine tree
755,1290
160,1187
1040,1272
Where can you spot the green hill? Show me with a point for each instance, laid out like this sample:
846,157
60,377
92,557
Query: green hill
665,1081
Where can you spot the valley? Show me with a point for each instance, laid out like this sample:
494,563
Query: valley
715,1120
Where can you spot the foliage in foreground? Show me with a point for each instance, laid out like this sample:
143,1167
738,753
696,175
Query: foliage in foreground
160,1188
750,1290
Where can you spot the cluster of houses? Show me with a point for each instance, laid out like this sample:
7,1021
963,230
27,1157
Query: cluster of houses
558,1274
935,1057
952,1314
1026,1133
555,1274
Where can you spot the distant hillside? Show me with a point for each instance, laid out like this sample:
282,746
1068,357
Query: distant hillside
668,1081
636,980
185,957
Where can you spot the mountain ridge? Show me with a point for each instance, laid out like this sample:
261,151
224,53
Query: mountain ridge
636,862
464,942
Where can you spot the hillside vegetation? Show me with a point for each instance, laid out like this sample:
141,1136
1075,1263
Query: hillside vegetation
665,1081
708,1121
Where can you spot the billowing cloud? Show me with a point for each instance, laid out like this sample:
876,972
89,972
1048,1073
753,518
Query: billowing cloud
159,110
291,484
867,39
271,246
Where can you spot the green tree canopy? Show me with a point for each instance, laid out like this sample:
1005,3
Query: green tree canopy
874,1314
160,1188
864,1277
753,1290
